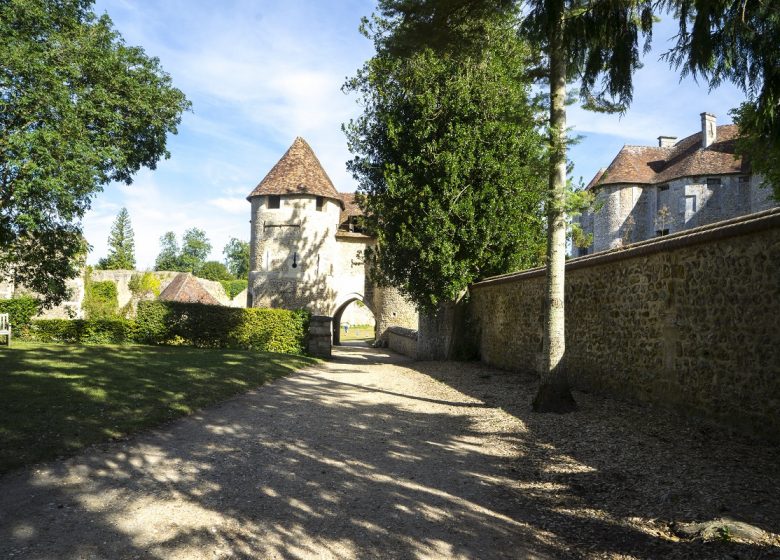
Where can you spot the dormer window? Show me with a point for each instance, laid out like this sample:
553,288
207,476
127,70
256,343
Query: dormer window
274,201
320,203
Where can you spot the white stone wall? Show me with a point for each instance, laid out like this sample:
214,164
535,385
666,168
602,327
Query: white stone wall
293,253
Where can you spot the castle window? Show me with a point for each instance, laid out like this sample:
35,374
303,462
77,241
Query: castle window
744,179
274,201
713,182
320,203
663,188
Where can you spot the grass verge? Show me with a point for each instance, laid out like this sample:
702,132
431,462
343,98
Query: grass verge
56,399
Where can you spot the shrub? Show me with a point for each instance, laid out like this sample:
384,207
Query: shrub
233,287
97,331
100,299
20,311
270,330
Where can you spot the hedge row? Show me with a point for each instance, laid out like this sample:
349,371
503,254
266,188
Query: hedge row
271,330
80,331
162,322
20,311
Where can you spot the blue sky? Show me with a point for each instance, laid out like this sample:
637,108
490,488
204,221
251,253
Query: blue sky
260,73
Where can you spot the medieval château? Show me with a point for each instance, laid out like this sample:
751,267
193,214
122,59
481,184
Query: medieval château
650,191
306,247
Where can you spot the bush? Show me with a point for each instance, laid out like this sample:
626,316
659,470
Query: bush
233,287
20,311
100,299
215,326
98,331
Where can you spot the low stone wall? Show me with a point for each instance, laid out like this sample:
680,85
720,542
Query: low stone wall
690,321
403,341
319,343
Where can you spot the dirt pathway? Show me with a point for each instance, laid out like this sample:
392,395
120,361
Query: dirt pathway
373,456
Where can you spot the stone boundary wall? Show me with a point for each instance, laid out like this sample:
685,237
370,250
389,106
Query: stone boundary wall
690,321
403,341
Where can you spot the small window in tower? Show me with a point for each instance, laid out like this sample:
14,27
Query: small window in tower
274,201
320,203
744,179
713,182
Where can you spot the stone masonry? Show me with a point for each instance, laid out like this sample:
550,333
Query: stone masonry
690,321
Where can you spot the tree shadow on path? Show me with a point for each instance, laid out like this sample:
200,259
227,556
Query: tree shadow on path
369,457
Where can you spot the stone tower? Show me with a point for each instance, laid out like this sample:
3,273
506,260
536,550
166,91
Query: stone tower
306,247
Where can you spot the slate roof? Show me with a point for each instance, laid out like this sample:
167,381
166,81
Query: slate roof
297,172
185,288
653,165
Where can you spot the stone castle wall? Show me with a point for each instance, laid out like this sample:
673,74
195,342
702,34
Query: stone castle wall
691,321
626,214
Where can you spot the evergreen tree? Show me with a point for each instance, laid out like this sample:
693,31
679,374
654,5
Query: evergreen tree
121,245
449,157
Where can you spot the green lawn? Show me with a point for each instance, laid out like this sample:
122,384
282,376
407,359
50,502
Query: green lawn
358,332
56,399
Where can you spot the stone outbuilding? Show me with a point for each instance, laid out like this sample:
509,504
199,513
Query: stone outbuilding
307,248
652,191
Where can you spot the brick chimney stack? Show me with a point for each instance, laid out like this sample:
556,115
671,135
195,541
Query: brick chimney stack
708,130
666,141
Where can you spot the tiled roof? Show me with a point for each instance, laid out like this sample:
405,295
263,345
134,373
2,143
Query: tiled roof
350,206
185,288
653,165
298,172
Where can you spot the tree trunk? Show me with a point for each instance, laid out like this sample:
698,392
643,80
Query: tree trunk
554,394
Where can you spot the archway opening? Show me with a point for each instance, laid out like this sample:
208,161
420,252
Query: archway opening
353,323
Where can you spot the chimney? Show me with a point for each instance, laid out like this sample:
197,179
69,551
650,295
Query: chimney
666,141
708,130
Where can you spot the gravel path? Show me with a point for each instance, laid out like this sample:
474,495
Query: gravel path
373,456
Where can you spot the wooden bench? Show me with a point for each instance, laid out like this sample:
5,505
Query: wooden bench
5,328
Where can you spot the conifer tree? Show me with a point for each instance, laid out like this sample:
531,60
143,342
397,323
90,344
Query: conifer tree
121,244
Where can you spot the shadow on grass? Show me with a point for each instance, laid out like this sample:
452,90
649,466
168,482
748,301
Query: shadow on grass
56,399
311,467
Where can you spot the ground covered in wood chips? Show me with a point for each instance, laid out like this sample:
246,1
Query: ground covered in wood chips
374,456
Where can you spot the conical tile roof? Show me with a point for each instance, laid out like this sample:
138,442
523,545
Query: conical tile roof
298,172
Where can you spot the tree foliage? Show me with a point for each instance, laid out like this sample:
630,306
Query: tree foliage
237,257
449,158
78,108
121,244
194,250
722,40
594,41
213,270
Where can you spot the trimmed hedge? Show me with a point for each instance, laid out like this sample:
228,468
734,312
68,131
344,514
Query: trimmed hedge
233,287
20,311
79,331
215,326
195,324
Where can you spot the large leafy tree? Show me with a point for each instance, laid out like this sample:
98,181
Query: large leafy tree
594,41
237,257
190,257
738,42
449,156
121,244
79,108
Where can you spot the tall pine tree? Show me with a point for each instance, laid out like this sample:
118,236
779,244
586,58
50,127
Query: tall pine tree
121,244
